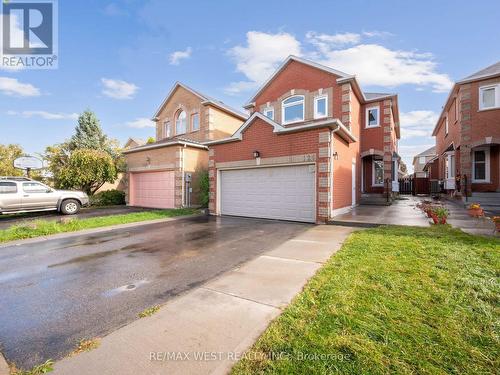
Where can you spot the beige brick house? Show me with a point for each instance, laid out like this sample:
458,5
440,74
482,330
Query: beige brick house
165,174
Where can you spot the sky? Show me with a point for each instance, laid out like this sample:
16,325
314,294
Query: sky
121,58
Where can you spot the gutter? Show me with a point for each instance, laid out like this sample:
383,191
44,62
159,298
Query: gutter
160,145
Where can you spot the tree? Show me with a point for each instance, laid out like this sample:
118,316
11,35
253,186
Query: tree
89,134
7,155
150,140
87,170
88,137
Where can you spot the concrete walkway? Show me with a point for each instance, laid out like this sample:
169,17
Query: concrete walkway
206,330
401,212
460,218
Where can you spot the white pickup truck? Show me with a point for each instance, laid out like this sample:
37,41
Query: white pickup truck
20,194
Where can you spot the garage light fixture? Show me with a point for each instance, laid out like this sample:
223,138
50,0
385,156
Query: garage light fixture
256,154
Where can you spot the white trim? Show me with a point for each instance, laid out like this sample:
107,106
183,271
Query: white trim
446,125
286,105
303,61
173,142
496,87
268,109
487,165
316,99
342,210
373,173
367,119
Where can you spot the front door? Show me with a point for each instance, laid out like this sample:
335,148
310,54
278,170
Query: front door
353,186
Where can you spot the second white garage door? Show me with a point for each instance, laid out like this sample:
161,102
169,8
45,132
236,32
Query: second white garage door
285,193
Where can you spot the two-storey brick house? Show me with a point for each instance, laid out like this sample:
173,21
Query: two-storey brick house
468,136
165,174
307,149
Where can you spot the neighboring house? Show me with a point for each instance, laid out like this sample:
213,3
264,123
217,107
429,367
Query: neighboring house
313,143
468,135
420,160
165,174
134,142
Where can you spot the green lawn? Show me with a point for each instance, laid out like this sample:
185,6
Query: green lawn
38,228
397,300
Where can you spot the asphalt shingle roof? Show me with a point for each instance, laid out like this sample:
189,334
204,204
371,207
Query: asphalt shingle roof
486,72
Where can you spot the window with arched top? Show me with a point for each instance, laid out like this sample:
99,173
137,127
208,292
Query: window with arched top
180,123
292,109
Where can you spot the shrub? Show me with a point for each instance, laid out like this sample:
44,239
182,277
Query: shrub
108,198
204,189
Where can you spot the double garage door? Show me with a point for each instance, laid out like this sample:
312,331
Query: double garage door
152,189
285,193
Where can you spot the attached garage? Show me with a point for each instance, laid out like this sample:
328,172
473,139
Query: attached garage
152,189
284,192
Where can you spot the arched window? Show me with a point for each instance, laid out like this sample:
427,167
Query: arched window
292,109
180,123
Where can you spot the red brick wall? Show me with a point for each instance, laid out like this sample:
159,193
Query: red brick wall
371,137
259,136
300,76
342,168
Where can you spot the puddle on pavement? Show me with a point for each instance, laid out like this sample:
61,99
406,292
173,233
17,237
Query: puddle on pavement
125,288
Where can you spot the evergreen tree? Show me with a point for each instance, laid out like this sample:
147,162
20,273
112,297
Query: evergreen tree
89,134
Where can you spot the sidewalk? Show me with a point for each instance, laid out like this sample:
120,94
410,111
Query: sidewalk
460,218
217,321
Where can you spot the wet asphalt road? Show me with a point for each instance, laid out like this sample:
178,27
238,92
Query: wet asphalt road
54,293
7,221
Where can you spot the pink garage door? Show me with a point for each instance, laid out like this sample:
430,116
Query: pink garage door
152,189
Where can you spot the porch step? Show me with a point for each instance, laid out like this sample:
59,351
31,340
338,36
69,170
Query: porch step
374,200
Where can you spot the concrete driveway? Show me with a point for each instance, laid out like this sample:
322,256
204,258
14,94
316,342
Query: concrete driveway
56,292
7,221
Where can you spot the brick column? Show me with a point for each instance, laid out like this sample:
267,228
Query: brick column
387,126
323,172
213,182
464,101
178,178
346,105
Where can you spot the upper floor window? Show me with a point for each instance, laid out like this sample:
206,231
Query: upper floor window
446,125
269,112
180,123
489,97
372,117
293,109
320,106
168,129
195,122
421,160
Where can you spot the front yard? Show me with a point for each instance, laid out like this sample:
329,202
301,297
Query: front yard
38,228
393,300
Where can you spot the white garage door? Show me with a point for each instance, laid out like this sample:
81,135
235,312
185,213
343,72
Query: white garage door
152,189
285,193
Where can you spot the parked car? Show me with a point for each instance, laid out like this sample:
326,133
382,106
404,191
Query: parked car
19,194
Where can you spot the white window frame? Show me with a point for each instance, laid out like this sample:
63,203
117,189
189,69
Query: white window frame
373,172
487,165
446,126
167,127
177,115
367,113
269,109
283,106
196,114
497,96
449,165
316,99
420,158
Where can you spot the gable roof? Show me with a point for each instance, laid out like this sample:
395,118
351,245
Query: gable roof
335,124
300,60
428,152
489,71
206,100
179,140
376,95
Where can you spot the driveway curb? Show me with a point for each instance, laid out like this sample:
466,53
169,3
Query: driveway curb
91,231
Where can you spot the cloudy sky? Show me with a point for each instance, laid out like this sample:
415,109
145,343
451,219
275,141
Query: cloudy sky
120,58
